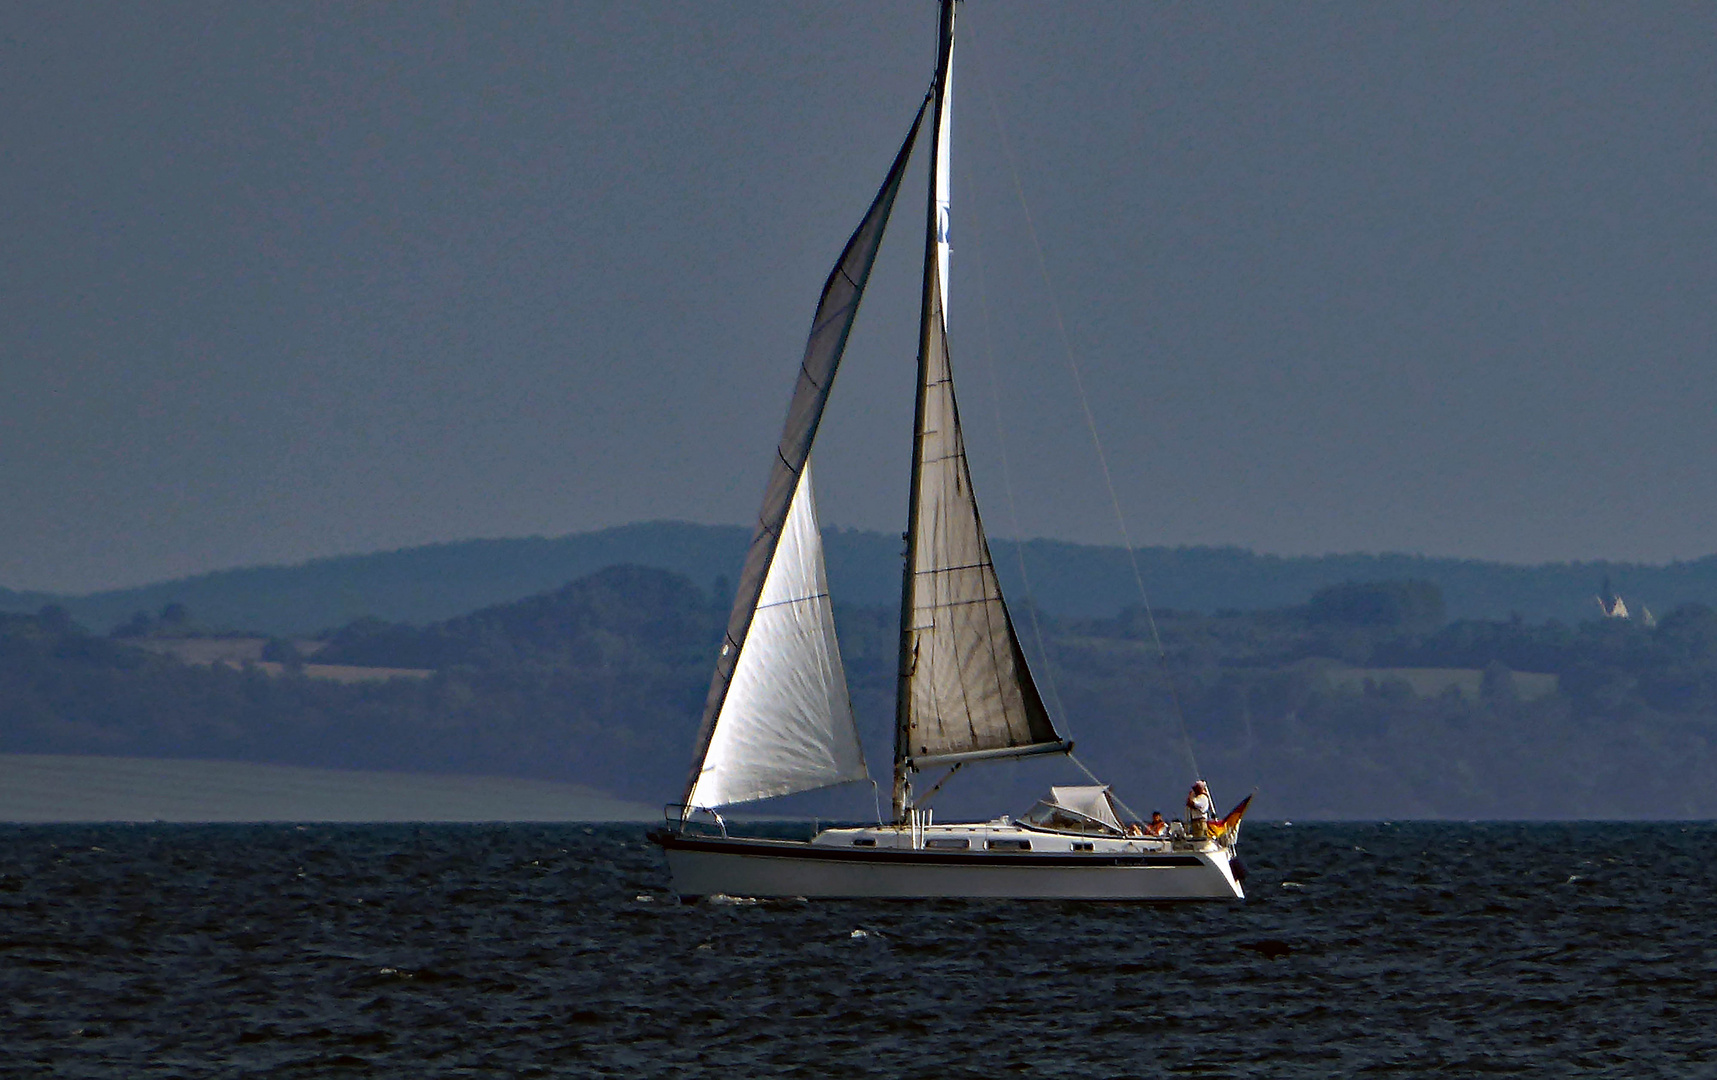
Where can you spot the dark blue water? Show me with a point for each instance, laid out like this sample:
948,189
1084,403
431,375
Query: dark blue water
1370,950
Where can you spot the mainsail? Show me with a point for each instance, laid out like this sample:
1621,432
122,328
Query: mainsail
755,724
965,691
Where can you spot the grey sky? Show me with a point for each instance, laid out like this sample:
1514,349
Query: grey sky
293,281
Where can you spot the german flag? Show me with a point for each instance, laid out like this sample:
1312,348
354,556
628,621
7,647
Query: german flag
1227,824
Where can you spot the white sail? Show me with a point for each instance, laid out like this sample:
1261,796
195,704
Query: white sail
786,724
836,309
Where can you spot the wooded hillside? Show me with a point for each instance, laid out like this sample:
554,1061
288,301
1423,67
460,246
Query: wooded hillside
1363,703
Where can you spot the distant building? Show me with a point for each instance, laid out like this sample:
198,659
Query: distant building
1614,607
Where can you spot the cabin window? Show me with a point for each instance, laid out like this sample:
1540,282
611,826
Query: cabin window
1009,845
1079,845
865,841
947,843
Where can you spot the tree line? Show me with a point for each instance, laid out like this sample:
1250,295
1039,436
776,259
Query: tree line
601,682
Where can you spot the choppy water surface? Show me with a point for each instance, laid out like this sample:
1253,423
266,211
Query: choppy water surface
140,951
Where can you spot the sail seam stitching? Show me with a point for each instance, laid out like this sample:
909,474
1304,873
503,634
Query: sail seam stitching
945,605
985,565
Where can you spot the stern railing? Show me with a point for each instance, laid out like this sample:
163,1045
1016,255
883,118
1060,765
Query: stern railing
695,820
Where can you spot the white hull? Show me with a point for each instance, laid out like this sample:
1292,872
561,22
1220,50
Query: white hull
779,868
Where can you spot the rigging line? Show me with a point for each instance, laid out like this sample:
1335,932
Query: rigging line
1090,423
1007,472
1105,787
923,800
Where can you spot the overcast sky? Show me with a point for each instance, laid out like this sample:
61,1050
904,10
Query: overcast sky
288,281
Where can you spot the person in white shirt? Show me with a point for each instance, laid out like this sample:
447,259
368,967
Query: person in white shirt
1199,808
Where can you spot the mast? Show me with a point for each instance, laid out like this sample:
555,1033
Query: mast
965,693
934,237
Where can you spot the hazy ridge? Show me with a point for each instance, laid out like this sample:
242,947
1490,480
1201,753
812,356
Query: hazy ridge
424,584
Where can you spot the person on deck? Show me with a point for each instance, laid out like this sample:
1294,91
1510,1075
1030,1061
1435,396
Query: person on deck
1199,808
1157,826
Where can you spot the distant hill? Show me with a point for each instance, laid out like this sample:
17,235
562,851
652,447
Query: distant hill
11,600
426,584
413,585
597,683
1362,702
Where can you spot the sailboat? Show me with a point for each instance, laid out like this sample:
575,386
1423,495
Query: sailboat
777,719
